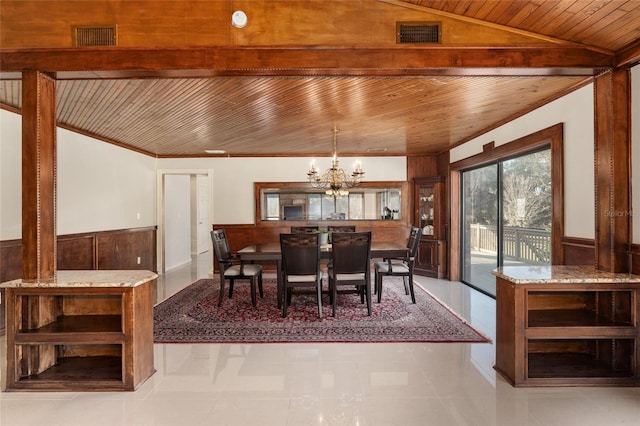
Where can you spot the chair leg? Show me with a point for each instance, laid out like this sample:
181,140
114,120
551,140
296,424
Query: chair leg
319,287
334,297
230,289
406,286
221,292
253,291
413,295
379,286
285,305
367,289
260,286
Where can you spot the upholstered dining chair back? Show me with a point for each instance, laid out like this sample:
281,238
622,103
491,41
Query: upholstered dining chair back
413,242
300,266
350,252
350,265
231,268
221,246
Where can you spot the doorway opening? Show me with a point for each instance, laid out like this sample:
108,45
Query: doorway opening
184,209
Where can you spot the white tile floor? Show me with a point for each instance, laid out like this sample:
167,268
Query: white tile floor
328,384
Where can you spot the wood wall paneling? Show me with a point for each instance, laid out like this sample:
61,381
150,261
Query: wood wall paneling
121,250
579,251
166,23
77,252
10,268
634,259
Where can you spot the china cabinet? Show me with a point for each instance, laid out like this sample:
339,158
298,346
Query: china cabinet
429,202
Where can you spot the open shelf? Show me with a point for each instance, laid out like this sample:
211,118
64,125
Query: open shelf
571,318
79,324
572,358
579,308
99,368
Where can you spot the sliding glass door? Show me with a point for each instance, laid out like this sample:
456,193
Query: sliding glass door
506,220
480,227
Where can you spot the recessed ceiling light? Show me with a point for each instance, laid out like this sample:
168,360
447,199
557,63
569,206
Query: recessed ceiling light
384,149
215,151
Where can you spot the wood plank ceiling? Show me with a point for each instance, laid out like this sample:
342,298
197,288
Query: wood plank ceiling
294,115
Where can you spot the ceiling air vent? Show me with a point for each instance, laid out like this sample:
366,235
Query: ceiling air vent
418,32
95,36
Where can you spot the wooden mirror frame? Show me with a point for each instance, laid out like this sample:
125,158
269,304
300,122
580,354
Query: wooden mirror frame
402,186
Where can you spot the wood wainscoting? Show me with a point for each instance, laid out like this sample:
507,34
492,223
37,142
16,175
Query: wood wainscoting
634,258
578,251
114,249
240,236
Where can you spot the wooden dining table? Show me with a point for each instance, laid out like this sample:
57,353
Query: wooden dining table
270,252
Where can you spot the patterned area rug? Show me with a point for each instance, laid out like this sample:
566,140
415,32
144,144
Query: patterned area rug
192,316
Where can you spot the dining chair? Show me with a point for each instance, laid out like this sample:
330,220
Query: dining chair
350,265
400,267
304,229
231,268
300,266
338,228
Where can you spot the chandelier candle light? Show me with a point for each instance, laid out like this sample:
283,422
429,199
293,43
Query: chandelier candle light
335,179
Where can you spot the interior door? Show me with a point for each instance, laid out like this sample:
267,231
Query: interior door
202,217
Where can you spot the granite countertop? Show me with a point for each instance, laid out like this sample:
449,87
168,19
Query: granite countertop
560,274
91,278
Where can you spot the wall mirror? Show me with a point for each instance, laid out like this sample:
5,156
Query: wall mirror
298,201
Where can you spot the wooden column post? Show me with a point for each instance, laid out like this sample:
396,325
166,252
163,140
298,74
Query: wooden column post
613,170
38,176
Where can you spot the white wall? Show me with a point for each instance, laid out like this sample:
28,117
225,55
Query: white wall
177,220
575,110
99,186
233,178
10,176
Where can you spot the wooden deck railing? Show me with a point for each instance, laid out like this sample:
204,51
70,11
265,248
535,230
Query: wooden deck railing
520,244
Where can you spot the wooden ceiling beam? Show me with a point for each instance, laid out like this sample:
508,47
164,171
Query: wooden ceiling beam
629,56
123,62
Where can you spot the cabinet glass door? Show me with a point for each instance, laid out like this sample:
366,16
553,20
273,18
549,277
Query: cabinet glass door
426,209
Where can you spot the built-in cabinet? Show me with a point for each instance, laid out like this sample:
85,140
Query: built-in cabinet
571,326
84,331
429,215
